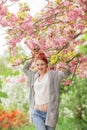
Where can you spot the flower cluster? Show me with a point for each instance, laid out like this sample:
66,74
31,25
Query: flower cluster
13,119
18,93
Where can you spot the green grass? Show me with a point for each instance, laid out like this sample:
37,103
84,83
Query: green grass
70,124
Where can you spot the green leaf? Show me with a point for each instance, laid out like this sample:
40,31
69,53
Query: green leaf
0,84
83,49
3,95
85,37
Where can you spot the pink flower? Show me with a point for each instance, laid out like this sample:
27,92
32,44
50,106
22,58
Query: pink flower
67,83
13,19
83,59
74,62
66,3
80,26
21,79
50,21
3,22
3,11
18,62
12,42
73,14
31,44
81,75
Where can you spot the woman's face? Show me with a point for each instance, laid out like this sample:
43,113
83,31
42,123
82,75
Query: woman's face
41,66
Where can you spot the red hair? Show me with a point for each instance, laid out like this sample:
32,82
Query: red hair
41,56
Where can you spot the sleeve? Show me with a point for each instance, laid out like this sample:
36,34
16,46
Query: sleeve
64,74
26,69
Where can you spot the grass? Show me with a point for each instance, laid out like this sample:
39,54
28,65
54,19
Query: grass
70,124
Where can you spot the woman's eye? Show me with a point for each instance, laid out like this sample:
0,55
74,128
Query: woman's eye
42,64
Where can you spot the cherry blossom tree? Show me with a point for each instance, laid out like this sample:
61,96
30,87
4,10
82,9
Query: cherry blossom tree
60,30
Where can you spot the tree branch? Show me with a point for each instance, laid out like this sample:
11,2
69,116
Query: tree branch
68,42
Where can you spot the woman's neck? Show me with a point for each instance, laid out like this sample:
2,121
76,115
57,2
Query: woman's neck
42,74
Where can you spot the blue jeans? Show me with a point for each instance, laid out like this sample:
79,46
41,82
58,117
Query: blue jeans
39,118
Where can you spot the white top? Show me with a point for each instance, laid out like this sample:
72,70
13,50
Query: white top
41,90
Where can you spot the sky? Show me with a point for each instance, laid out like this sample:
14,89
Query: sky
35,6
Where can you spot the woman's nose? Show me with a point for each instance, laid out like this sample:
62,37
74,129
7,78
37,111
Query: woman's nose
39,66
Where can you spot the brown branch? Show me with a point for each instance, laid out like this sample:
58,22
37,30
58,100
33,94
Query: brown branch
23,61
64,47
77,55
75,69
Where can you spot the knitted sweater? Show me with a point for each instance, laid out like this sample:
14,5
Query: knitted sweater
54,79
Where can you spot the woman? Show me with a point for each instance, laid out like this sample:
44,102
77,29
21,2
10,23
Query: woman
44,93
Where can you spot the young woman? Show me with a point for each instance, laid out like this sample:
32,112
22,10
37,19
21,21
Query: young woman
44,92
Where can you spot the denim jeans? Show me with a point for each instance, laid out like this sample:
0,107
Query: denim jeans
39,118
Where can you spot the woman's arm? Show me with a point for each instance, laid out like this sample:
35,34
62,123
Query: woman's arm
26,67
64,72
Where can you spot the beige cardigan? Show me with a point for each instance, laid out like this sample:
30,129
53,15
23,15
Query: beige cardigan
54,78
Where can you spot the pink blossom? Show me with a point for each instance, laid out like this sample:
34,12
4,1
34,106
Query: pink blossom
66,3
42,40
13,19
50,21
21,79
27,27
1,6
61,65
17,79
43,46
83,59
28,19
13,42
3,22
59,42
3,11
31,44
81,75
42,25
18,62
73,14
80,27
67,83
82,1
